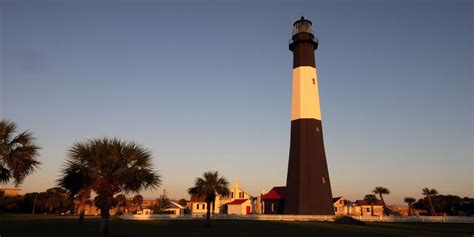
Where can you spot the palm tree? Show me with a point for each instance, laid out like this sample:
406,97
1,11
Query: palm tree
121,203
209,187
382,191
138,200
429,193
110,166
371,199
409,201
78,184
18,153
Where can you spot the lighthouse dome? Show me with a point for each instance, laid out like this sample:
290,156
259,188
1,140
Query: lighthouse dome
302,26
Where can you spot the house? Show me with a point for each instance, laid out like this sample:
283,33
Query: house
239,207
273,202
341,206
401,210
199,206
130,207
174,208
235,193
363,208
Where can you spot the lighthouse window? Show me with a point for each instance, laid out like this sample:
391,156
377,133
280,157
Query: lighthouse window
317,129
323,179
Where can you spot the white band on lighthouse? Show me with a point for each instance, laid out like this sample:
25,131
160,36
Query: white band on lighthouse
305,96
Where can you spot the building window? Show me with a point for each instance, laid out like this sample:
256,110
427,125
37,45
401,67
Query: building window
335,209
340,201
367,209
314,81
273,207
197,206
231,194
203,206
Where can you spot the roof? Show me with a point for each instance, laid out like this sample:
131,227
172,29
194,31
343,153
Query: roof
174,205
198,199
335,199
237,202
275,193
365,203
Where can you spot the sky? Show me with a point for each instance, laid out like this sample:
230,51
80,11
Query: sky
207,86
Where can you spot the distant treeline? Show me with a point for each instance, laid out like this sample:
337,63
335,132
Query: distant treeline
450,205
56,201
52,201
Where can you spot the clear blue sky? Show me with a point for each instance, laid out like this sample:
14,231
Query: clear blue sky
208,87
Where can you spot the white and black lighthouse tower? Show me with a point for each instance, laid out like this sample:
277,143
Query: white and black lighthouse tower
308,188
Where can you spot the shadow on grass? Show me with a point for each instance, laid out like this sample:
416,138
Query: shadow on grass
229,228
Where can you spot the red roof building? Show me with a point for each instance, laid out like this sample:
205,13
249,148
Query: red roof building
239,207
275,193
273,202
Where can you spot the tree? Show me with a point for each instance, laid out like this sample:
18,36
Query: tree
121,203
371,200
76,179
429,193
183,202
209,187
56,200
382,191
111,166
18,153
409,201
163,201
137,201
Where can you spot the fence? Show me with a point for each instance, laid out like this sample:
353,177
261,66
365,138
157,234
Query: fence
443,219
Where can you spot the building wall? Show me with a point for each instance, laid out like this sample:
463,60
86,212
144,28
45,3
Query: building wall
239,209
198,208
340,207
366,210
258,205
273,206
401,210
175,211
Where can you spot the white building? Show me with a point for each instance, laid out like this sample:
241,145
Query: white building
199,206
239,207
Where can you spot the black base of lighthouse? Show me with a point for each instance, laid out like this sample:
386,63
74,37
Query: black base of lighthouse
308,189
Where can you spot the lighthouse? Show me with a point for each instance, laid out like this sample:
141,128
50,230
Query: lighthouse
308,188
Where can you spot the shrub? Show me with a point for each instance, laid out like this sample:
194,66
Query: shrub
347,220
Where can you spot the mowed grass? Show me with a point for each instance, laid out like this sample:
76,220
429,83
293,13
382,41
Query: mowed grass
45,226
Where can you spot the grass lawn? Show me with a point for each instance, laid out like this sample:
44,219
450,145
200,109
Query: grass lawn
27,225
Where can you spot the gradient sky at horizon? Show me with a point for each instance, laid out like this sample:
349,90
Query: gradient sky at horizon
208,87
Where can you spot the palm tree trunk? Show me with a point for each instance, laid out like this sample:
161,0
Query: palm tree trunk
213,207
409,209
82,209
432,210
385,211
34,204
104,224
208,214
